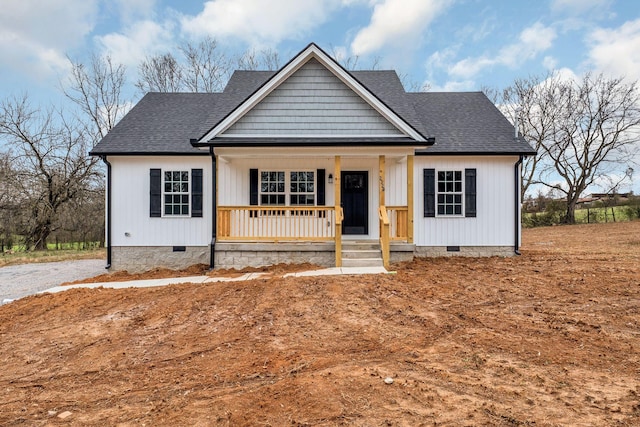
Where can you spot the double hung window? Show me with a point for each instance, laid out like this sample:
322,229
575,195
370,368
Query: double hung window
287,188
450,192
176,192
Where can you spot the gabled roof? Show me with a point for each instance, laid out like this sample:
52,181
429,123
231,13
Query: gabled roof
312,51
460,122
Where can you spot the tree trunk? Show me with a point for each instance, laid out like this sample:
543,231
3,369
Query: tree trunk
570,215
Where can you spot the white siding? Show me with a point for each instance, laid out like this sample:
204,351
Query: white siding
494,223
396,181
312,101
130,205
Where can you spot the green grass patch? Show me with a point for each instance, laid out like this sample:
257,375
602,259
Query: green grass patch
14,257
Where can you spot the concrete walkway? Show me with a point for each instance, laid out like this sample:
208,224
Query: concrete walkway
207,279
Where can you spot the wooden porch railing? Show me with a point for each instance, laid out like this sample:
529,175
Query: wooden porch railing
276,223
398,222
384,235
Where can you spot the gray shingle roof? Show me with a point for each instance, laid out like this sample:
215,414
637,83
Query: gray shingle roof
461,122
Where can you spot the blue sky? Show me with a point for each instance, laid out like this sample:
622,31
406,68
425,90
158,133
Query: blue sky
446,44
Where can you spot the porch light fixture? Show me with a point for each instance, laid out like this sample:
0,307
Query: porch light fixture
330,178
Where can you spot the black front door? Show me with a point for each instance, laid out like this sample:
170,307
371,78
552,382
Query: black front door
355,196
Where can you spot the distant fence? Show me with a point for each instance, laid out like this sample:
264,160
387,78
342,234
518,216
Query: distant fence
589,215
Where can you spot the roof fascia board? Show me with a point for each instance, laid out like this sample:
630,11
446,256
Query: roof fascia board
474,153
311,51
148,153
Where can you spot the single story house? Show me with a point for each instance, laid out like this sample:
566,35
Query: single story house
310,163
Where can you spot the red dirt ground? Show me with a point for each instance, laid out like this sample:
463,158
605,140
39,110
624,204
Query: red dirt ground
548,338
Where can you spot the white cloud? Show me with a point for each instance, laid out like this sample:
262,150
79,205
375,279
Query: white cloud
259,22
35,35
577,7
452,86
136,42
130,10
397,23
532,41
549,62
617,51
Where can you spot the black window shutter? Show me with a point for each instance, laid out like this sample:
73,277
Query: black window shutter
155,193
320,199
196,193
253,187
470,193
429,192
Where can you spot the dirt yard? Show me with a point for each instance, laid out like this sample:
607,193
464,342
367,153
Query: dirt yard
548,338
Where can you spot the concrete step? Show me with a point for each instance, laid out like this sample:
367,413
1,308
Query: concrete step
362,262
359,254
360,245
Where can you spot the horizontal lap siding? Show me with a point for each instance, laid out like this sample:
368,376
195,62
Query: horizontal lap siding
315,102
494,223
130,204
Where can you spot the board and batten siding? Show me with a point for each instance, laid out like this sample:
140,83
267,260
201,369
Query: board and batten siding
495,202
130,203
233,176
395,181
313,101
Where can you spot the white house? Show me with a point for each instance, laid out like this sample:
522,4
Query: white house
311,163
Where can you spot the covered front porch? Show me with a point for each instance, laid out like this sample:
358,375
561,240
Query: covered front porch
312,203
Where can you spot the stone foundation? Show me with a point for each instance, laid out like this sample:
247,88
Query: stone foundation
468,251
240,255
136,259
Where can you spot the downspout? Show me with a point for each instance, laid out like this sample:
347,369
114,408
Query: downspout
108,218
214,210
517,205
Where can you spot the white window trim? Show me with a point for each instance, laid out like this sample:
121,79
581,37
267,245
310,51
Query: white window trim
188,194
461,193
287,187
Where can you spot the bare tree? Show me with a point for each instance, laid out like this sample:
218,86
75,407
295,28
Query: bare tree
199,67
9,202
206,67
411,85
96,89
50,165
267,59
160,73
584,131
533,106
594,132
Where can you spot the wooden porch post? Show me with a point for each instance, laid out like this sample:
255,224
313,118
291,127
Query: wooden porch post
338,211
381,184
410,199
382,209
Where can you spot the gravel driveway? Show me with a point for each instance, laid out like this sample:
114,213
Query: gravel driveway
17,281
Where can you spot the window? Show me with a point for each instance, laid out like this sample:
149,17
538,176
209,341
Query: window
300,186
302,192
176,192
445,193
449,193
272,188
